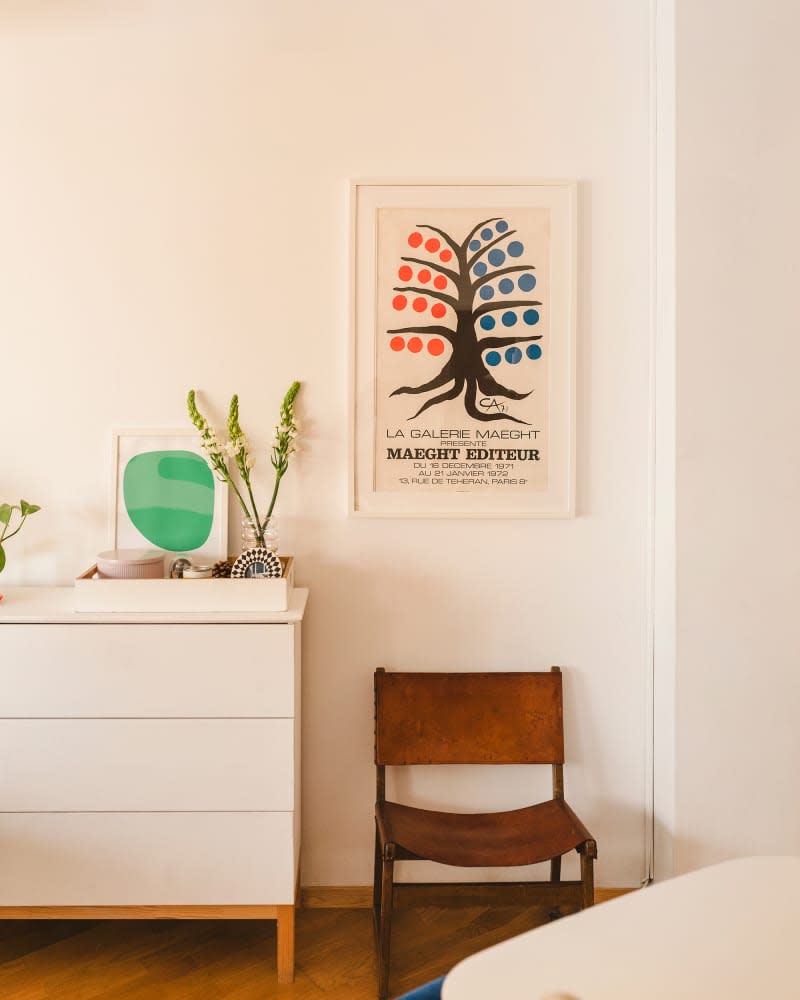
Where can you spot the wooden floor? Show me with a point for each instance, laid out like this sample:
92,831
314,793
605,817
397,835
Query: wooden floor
235,960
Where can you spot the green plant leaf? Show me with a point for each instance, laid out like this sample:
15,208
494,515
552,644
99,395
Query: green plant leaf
28,508
2,558
6,510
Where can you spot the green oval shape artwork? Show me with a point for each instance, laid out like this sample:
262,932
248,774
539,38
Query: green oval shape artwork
169,497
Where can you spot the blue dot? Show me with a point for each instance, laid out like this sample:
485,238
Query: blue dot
506,285
533,351
487,322
530,317
509,319
496,257
480,269
474,244
527,282
502,226
513,355
515,249
493,358
486,293
486,234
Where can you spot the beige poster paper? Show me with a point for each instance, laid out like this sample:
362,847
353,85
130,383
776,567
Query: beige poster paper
462,350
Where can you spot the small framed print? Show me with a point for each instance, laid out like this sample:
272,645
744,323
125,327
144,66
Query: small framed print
463,349
165,496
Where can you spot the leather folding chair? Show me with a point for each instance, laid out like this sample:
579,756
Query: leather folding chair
473,718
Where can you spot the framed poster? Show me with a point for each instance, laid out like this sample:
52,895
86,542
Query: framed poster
165,496
464,349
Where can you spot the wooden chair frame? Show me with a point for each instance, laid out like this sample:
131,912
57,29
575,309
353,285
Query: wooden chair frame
477,727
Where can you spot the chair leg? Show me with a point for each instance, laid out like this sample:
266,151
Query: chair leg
588,853
555,876
376,885
385,923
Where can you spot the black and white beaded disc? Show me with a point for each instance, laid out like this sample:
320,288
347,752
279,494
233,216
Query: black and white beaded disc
257,564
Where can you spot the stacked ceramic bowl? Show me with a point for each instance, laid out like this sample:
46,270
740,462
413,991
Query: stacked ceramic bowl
130,564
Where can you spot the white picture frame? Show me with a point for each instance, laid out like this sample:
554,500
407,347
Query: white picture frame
127,443
406,238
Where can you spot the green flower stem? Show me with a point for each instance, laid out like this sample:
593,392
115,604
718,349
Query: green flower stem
206,434
278,477
256,521
236,435
283,446
239,497
222,471
226,477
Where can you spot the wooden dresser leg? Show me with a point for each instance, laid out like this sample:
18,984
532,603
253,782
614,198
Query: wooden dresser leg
285,944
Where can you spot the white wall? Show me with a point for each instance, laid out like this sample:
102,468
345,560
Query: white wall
738,473
173,196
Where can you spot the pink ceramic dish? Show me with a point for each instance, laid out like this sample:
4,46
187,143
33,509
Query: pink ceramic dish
130,564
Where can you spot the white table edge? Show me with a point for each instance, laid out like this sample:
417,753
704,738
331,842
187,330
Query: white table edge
519,966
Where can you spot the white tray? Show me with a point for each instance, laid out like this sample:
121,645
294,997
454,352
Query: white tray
185,596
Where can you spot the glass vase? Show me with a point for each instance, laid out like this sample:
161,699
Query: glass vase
252,538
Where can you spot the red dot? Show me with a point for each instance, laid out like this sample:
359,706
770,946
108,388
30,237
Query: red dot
405,273
424,276
435,347
397,343
415,239
415,345
440,282
445,255
432,244
438,310
420,305
399,302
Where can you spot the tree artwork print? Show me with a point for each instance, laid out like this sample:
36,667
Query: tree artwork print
466,278
462,349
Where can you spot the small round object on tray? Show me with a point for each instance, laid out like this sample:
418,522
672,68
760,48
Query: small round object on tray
177,566
257,564
197,572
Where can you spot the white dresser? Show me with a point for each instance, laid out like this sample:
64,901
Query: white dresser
149,764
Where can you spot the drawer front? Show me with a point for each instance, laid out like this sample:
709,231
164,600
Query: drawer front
133,671
146,764
146,859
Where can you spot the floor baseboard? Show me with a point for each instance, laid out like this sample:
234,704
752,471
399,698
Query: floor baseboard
356,897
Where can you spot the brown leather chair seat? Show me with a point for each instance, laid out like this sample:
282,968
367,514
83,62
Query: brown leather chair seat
517,837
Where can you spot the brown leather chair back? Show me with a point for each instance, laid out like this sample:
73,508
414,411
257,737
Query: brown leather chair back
468,718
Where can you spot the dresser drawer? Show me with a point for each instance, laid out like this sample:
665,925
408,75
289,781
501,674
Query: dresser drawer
171,671
146,764
147,859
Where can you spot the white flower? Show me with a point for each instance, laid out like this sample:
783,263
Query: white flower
249,462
